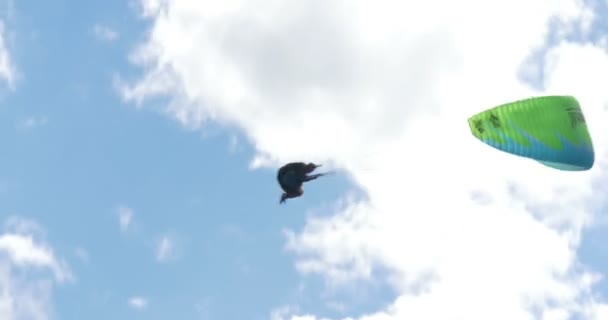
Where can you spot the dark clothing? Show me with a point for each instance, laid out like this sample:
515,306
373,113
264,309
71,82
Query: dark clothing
292,175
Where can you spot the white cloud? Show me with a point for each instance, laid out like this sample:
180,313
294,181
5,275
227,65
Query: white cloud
282,312
105,33
165,249
7,68
23,251
125,217
24,293
138,303
383,89
23,245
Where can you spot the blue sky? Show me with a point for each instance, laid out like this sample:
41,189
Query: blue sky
92,154
75,155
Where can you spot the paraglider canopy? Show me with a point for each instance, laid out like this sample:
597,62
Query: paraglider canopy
551,130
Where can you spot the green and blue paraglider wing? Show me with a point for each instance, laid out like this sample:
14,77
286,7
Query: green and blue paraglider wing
551,130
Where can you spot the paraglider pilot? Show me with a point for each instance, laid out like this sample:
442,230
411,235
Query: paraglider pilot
292,176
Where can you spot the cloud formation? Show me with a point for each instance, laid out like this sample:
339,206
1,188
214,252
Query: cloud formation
32,122
138,303
105,33
29,269
7,67
164,249
125,217
383,90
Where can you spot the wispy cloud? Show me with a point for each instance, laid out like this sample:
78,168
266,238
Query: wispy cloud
7,67
138,303
23,249
26,291
32,122
284,313
165,249
105,33
18,225
125,217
